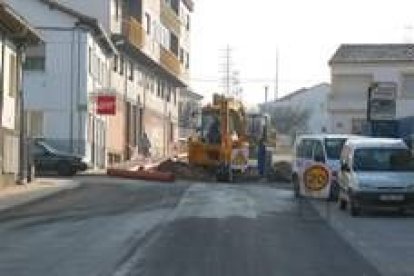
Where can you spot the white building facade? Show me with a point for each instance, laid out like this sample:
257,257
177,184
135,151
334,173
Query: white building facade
354,68
63,76
15,35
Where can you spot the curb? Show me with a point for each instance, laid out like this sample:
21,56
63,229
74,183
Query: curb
20,199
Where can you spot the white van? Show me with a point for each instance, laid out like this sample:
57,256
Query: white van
376,173
316,165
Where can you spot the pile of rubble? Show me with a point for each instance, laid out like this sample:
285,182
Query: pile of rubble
281,172
184,171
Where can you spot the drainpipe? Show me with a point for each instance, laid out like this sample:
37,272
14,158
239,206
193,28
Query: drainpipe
3,47
72,88
78,94
21,106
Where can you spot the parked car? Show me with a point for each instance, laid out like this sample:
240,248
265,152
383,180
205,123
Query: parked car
316,157
48,159
376,173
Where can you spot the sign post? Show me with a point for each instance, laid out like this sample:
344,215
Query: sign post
381,104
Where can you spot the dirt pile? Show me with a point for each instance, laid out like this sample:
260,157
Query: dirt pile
183,170
281,171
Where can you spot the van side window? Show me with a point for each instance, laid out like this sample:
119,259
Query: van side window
305,149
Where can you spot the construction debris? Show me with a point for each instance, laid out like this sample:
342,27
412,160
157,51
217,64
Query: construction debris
183,170
281,171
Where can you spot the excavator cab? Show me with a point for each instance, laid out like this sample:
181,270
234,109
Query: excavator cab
221,143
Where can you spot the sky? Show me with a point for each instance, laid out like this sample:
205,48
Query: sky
304,33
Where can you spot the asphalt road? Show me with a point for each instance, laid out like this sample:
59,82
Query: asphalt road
114,227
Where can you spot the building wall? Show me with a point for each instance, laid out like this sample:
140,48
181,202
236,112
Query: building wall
62,91
9,133
350,82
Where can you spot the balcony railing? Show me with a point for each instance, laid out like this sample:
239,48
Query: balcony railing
170,62
170,19
134,32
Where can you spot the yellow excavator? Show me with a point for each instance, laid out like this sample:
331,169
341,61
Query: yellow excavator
221,143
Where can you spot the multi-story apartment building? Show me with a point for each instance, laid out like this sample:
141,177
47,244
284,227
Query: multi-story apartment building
153,39
63,77
15,35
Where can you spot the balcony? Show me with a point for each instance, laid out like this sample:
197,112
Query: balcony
134,32
170,19
170,62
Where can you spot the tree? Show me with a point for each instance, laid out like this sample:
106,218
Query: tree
289,120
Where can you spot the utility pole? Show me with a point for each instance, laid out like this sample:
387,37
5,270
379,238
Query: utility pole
226,71
277,75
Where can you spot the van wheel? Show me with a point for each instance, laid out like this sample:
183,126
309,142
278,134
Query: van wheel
402,211
353,209
342,204
65,169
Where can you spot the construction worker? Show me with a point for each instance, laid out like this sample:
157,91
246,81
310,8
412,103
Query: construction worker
261,157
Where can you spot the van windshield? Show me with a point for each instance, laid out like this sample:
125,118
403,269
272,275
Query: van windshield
334,147
383,159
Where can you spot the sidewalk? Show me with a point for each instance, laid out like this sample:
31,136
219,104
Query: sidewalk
43,187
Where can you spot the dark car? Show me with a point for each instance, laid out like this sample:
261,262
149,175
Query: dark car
47,159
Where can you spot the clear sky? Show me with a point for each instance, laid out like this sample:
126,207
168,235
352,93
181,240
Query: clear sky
306,34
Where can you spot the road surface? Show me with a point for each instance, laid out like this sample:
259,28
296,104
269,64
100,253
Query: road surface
116,227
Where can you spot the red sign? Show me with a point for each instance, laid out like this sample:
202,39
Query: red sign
106,105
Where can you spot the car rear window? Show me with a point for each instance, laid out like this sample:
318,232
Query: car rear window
334,147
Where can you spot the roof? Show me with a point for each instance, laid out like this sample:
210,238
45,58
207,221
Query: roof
375,142
363,53
91,22
18,27
189,4
192,94
299,92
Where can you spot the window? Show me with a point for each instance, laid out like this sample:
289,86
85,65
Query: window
175,5
159,88
187,61
148,22
187,25
165,37
408,85
334,147
34,64
174,44
13,76
182,55
117,9
122,65
90,60
383,159
305,149
115,65
131,71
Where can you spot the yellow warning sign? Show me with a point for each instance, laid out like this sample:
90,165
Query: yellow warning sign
316,178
